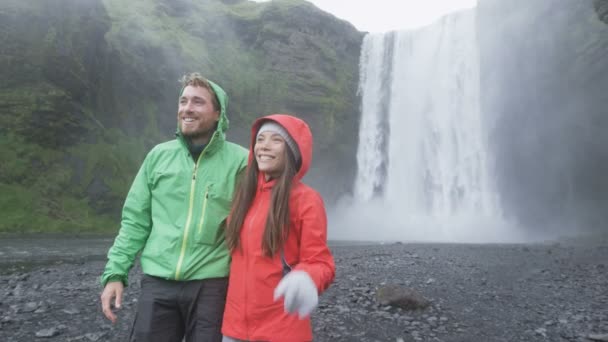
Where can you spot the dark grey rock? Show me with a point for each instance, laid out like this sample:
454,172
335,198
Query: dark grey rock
50,332
601,7
402,297
29,307
598,337
95,336
71,311
349,310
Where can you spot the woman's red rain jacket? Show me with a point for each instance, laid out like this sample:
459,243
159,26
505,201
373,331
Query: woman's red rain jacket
251,313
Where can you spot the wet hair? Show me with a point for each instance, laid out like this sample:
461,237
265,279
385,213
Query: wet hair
197,80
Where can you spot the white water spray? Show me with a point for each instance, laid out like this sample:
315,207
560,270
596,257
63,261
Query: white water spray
424,171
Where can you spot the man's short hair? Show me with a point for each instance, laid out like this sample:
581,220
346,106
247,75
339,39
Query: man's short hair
197,80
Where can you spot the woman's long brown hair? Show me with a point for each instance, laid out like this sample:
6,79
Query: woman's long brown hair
277,221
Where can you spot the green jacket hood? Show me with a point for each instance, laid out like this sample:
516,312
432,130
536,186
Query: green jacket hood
222,97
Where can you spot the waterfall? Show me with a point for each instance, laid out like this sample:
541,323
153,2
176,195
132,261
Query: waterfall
423,146
376,71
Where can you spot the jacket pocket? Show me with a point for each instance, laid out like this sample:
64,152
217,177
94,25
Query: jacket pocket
214,210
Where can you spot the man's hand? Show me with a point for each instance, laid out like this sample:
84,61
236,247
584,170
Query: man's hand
113,289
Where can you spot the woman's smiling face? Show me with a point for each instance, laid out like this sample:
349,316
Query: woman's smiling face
270,154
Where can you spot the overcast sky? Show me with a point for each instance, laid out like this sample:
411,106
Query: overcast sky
387,15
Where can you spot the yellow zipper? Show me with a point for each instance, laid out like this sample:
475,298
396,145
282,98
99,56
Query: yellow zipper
188,221
185,239
200,226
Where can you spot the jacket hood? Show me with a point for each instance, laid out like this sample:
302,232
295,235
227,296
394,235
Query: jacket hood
299,131
222,97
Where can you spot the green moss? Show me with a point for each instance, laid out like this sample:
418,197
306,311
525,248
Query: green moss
10,7
247,10
145,23
106,100
18,205
284,7
25,211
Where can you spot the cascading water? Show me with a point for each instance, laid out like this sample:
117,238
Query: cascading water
423,153
372,154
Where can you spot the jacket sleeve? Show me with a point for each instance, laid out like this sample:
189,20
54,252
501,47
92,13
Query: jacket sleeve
315,257
135,228
242,165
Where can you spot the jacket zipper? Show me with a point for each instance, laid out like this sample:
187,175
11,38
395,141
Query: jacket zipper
200,226
185,238
191,204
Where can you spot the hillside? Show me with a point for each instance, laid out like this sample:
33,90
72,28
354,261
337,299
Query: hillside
90,86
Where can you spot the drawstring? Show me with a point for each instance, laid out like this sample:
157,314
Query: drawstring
286,267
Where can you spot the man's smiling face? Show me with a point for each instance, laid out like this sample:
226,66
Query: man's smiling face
196,115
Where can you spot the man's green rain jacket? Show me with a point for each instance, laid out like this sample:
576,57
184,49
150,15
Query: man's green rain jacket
175,210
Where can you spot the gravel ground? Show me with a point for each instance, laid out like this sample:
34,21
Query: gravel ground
536,292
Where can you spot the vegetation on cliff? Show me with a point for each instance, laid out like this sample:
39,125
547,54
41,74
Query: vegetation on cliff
89,86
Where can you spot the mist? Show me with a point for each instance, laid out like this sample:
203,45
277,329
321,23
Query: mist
546,111
485,126
377,221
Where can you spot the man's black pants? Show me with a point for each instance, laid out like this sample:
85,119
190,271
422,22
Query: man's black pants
169,311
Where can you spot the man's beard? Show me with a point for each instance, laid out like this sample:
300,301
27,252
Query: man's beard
200,133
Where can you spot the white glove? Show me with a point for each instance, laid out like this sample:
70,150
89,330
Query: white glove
300,293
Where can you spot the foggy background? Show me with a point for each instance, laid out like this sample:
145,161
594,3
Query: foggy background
491,129
529,165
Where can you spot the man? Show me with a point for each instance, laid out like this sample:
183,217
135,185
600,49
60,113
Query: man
174,214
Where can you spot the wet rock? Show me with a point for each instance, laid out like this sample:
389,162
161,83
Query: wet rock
41,309
401,297
29,307
71,311
94,336
541,331
601,7
18,291
350,310
44,333
598,337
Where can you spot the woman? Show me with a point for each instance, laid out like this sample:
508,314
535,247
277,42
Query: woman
277,234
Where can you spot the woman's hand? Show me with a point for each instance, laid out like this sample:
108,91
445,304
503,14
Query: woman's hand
300,293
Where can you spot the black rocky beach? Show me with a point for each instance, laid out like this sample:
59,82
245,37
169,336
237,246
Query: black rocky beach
555,291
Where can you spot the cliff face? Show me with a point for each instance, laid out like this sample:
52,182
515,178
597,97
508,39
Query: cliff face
53,62
310,61
601,7
543,83
89,86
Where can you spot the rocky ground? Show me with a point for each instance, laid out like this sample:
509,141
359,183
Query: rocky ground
541,292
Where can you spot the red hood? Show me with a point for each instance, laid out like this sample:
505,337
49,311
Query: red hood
299,131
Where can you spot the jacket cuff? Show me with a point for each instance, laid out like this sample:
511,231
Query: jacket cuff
113,278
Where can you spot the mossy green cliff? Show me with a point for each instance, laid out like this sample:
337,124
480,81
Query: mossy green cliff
89,86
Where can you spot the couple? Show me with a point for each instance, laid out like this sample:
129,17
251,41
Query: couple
233,248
